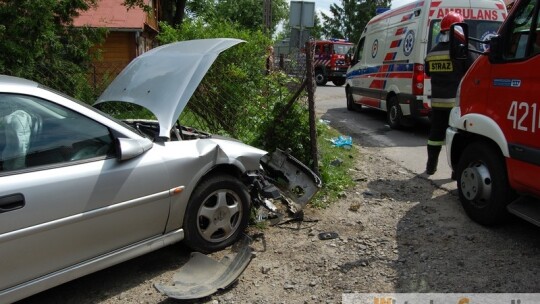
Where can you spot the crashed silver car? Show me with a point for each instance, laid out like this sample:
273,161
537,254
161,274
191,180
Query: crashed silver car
81,191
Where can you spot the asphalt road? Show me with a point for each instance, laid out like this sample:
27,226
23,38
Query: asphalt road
406,147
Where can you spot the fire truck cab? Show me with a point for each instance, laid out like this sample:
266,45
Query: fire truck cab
331,60
493,142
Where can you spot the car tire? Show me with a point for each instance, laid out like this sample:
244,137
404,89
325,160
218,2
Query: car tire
351,106
338,82
482,183
320,78
394,115
217,213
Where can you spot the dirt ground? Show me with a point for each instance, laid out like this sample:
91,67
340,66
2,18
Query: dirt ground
397,232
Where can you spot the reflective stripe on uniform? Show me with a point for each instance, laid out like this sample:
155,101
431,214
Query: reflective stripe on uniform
435,143
443,102
438,57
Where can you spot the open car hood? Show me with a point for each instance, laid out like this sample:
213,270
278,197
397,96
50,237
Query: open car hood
163,79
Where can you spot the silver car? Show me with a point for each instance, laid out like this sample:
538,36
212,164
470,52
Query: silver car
81,191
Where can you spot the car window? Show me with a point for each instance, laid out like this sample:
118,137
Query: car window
35,132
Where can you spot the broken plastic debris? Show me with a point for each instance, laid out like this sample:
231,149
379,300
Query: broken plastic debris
202,276
327,235
342,141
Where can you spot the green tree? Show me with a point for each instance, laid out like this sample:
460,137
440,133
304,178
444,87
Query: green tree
40,43
348,19
247,13
317,32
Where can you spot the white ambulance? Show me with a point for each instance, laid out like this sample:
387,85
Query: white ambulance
387,70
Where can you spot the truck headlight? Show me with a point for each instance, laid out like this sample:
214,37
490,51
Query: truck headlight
455,116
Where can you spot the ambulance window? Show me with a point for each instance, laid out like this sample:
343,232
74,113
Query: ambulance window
434,31
359,50
520,30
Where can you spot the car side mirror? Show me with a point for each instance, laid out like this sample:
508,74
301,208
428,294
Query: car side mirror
128,148
459,41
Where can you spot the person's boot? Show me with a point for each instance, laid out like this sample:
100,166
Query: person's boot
433,159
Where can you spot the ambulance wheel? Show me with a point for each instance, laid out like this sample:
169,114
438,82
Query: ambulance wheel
394,116
320,78
338,82
482,183
351,106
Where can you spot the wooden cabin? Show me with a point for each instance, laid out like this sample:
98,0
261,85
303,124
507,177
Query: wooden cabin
130,33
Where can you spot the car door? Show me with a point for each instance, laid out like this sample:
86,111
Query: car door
64,197
514,92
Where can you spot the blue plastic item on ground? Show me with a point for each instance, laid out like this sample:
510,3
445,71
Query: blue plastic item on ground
342,141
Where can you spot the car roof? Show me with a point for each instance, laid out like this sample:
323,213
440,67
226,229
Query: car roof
6,80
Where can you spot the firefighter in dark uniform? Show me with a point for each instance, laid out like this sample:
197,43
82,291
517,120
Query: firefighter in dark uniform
445,76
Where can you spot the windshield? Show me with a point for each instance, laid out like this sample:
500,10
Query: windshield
480,29
342,49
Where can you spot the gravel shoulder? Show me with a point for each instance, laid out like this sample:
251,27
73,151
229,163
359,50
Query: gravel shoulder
397,232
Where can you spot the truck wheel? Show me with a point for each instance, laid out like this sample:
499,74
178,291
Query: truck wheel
320,78
394,116
338,82
482,183
351,106
217,213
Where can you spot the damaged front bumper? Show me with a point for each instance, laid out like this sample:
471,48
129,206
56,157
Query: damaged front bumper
282,177
285,179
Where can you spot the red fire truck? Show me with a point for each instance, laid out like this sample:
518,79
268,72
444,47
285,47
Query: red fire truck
331,60
493,142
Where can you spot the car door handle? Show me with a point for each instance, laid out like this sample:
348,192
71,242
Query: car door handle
11,202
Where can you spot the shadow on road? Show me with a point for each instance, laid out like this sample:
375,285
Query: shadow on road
441,250
369,128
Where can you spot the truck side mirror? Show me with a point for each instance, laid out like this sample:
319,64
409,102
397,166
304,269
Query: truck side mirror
459,41
495,49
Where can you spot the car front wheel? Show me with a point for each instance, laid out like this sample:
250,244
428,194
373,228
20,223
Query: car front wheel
482,183
217,213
